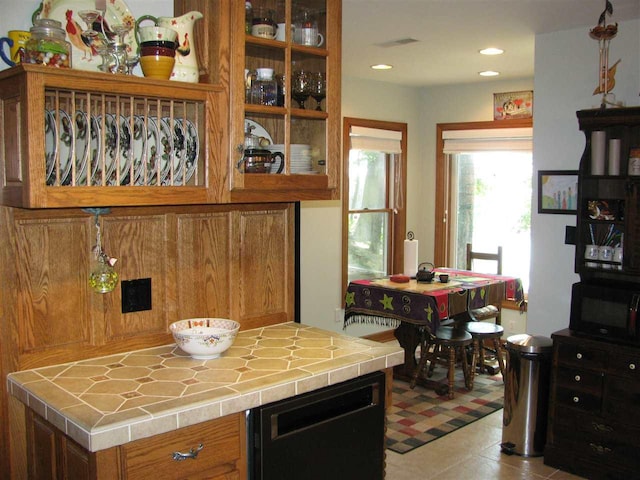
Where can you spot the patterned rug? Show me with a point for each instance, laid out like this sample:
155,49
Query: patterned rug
420,416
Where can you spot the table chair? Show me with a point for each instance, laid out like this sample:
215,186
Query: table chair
489,311
446,347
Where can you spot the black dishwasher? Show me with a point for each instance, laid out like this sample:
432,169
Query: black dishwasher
335,433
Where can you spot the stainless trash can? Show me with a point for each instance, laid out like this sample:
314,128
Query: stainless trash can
526,395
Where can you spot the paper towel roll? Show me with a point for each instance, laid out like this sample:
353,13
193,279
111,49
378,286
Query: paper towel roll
598,147
614,156
410,257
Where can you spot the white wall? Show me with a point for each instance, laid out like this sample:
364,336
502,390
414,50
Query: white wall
566,67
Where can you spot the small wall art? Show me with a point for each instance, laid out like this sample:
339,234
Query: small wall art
511,105
557,191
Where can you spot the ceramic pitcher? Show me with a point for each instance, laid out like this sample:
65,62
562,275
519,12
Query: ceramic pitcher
186,66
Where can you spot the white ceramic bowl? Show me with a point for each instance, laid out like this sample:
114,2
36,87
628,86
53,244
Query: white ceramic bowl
204,338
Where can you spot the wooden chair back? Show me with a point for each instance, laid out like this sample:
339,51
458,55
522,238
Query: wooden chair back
473,255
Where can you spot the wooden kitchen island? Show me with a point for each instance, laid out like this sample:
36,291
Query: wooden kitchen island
124,415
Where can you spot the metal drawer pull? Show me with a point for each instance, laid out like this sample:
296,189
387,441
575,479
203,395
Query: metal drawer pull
576,399
601,427
579,356
577,378
632,366
193,453
599,448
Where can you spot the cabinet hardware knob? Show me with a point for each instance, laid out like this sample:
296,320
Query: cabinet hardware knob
576,399
632,366
577,378
579,356
193,453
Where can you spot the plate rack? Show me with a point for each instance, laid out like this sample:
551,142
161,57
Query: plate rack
83,139
105,140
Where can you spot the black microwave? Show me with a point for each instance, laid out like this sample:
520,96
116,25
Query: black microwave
606,311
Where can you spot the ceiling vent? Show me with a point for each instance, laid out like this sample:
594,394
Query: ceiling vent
397,43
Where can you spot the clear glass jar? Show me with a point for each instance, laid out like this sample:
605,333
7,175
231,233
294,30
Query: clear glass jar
47,45
264,89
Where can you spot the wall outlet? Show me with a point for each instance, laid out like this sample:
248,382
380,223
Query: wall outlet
136,295
339,315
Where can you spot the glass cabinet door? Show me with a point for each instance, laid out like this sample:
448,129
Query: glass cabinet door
285,99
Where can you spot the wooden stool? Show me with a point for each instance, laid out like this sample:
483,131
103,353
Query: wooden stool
486,332
446,347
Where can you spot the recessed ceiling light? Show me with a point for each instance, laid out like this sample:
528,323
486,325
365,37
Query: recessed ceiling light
382,66
488,73
491,51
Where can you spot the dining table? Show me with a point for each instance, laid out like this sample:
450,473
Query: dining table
416,308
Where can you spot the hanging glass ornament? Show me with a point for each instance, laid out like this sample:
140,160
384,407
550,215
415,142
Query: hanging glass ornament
103,277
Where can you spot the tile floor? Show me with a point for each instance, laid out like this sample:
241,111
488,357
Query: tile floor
471,453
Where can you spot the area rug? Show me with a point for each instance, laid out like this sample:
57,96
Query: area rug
420,416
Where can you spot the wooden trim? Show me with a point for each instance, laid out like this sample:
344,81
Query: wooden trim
443,190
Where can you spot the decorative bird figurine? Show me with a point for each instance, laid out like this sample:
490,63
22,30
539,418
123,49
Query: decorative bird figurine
185,48
611,80
79,41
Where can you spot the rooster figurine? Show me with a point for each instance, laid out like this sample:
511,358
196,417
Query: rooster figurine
79,41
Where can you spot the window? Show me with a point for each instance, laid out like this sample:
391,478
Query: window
484,180
374,187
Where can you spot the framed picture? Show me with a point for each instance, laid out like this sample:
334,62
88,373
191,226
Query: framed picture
513,105
557,191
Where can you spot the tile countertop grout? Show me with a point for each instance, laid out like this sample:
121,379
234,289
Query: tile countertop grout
112,400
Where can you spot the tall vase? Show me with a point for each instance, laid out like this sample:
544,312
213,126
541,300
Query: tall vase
186,66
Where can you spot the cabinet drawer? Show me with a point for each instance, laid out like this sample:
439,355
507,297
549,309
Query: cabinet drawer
620,399
579,426
581,400
581,357
625,365
579,379
153,457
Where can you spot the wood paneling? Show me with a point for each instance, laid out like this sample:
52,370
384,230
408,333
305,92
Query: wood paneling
265,285
203,270
139,243
232,261
53,265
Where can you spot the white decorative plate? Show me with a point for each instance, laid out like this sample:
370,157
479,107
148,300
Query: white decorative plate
50,144
85,57
177,153
192,147
152,159
65,150
258,130
82,147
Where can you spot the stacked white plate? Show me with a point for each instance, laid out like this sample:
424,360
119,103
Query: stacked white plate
300,160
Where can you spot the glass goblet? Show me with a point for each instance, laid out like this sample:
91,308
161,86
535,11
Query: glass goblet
318,89
89,17
121,29
301,87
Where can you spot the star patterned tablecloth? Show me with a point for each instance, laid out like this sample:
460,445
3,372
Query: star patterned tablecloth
383,302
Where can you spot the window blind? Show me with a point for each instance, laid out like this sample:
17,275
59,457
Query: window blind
364,138
487,140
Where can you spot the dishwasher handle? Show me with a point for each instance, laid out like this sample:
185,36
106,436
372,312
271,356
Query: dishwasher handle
314,413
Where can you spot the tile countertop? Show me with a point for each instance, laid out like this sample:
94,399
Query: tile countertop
108,401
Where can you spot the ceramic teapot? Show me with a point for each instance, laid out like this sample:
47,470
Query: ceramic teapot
186,65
